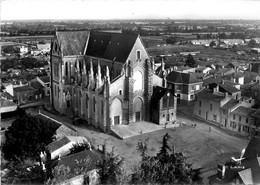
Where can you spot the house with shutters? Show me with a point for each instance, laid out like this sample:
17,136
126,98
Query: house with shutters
226,111
104,78
184,85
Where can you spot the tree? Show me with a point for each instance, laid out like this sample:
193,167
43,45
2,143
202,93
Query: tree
190,61
79,147
110,167
167,167
9,63
212,44
252,43
27,137
19,174
10,49
223,35
171,40
63,172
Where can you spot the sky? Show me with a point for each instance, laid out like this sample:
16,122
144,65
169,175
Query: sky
129,9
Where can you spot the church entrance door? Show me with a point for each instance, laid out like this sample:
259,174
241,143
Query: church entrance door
138,107
138,116
116,120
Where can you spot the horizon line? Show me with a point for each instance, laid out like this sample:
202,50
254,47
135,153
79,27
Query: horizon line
122,19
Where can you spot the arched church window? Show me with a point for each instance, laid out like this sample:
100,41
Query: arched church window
86,100
68,98
94,103
138,55
67,68
56,47
102,107
80,66
138,81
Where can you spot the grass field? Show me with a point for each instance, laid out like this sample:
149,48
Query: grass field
3,44
206,56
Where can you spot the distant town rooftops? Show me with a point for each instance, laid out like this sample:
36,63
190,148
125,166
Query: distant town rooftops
23,88
36,85
185,78
220,70
45,79
230,104
209,95
229,88
201,68
46,46
233,64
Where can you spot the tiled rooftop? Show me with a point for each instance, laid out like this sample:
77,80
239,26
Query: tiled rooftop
245,111
230,104
23,88
184,78
45,79
58,144
209,95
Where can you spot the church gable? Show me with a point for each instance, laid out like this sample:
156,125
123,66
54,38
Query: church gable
117,87
138,51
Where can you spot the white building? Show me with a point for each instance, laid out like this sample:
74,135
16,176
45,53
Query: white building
61,147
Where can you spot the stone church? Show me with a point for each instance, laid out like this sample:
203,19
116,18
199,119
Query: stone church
106,79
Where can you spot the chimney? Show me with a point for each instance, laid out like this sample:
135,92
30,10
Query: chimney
98,77
238,97
221,171
250,67
107,75
152,64
164,82
226,94
162,65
